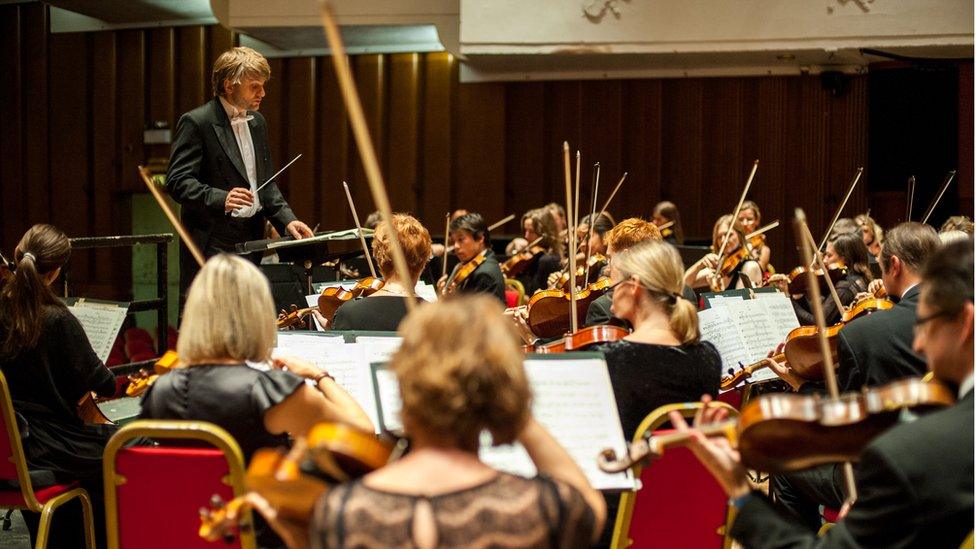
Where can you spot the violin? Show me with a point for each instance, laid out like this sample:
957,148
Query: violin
778,433
798,277
294,319
583,339
89,412
594,266
520,261
734,378
333,297
293,481
462,272
548,311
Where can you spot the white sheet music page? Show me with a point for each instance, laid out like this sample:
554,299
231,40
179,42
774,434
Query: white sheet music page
573,400
346,362
718,326
101,321
379,348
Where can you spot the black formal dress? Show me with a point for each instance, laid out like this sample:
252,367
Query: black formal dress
46,383
536,274
381,313
205,164
646,377
915,489
486,279
234,397
847,287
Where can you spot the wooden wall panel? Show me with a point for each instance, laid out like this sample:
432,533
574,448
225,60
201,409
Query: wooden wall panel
964,177
442,145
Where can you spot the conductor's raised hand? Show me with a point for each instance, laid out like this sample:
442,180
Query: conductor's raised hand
299,230
238,198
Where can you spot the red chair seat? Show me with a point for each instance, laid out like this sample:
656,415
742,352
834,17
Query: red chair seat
511,298
830,515
13,498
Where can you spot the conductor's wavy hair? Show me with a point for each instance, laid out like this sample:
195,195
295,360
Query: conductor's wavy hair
414,239
237,63
453,388
229,314
658,268
42,250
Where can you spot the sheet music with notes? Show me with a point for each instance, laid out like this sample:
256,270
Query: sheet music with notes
101,321
747,330
572,399
346,362
379,348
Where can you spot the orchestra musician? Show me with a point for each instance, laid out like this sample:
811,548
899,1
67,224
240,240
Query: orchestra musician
469,233
663,361
441,494
750,219
871,232
558,213
848,249
591,244
536,224
219,158
702,272
958,223
871,351
384,309
49,365
915,481
667,212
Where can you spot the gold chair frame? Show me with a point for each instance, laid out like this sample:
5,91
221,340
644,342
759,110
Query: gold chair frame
650,424
518,287
181,430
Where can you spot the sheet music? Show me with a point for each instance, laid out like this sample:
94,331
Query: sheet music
313,301
572,399
101,321
427,292
346,362
379,348
718,327
754,326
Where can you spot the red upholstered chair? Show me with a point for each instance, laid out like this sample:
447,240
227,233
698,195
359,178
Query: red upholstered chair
153,495
679,503
13,469
514,293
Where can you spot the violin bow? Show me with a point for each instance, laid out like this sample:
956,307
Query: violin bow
528,246
818,257
667,225
364,143
613,193
735,215
806,248
911,197
573,320
945,185
850,191
498,223
589,231
761,230
359,229
576,205
447,230
190,244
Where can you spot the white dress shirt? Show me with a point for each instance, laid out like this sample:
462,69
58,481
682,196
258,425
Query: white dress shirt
242,134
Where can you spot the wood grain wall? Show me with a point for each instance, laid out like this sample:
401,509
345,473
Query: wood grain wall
74,106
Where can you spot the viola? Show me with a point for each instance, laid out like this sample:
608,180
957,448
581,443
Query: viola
462,272
293,481
518,263
778,433
548,310
594,266
583,339
333,297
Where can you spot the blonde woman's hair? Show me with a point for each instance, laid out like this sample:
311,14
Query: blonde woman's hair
658,267
237,63
718,236
750,205
229,313
454,387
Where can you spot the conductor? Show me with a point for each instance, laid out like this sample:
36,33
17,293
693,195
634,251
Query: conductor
220,158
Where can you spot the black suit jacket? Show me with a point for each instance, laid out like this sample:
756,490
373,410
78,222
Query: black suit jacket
915,489
205,164
486,279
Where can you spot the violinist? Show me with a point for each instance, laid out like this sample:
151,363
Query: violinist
871,233
441,494
470,235
536,224
958,223
850,250
49,366
383,309
750,219
663,360
667,212
914,482
871,351
726,277
558,214
592,243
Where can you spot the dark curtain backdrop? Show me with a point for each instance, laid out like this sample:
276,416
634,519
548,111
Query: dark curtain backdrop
73,108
